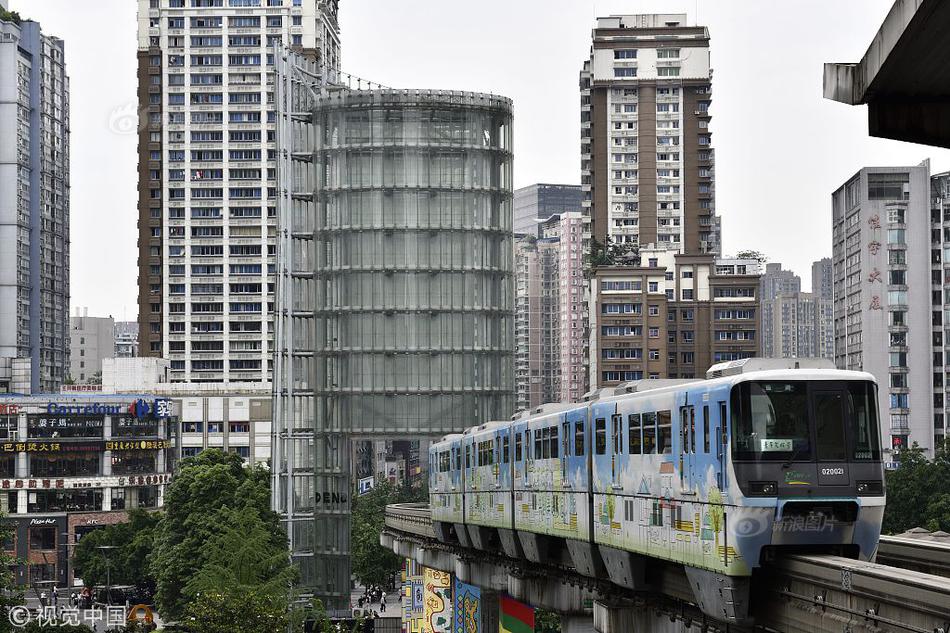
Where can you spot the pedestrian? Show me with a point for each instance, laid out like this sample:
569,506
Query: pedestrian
73,600
55,596
382,605
42,598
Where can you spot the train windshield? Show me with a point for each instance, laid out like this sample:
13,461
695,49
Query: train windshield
805,421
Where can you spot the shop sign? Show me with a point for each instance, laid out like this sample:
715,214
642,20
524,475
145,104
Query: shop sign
136,445
69,447
159,408
94,482
9,409
42,521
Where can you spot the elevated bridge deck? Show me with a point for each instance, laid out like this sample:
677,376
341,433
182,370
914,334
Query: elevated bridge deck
796,594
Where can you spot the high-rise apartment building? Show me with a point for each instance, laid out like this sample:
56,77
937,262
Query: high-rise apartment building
796,324
535,203
550,310
207,176
888,305
91,340
34,205
647,163
672,318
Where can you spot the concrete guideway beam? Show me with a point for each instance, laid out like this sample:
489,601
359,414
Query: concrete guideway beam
549,593
486,575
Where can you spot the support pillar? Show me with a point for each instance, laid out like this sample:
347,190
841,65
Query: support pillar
616,617
491,611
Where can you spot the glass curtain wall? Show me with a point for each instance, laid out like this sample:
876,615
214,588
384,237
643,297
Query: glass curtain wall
397,314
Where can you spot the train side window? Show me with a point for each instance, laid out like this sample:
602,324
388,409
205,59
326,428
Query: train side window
546,442
664,423
579,439
458,459
505,447
566,439
616,430
723,425
705,428
600,436
528,455
634,441
553,441
649,433
468,463
538,441
517,447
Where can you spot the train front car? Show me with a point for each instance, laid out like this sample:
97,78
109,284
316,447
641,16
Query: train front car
806,462
445,487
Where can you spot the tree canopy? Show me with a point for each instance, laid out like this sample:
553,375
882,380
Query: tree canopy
373,564
213,501
918,492
759,256
127,564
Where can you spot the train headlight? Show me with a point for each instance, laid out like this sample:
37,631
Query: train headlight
870,487
763,488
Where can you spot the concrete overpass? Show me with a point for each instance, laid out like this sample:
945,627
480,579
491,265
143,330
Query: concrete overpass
904,77
798,594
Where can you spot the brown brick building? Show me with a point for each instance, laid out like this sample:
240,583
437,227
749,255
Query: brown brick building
672,317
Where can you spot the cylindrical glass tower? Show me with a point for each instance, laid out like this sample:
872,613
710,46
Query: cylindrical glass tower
414,276
398,318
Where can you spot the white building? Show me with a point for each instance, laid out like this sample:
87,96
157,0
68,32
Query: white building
208,183
234,418
884,320
647,164
34,207
91,339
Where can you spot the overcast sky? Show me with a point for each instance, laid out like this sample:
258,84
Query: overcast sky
780,148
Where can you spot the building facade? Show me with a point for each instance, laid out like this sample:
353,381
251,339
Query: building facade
396,293
71,464
126,339
647,163
207,176
797,324
236,418
91,340
34,206
888,310
673,318
538,202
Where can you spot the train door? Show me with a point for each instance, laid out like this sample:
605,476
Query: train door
565,452
616,449
721,442
687,447
496,459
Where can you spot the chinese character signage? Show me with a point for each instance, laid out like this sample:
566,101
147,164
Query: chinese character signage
136,445
72,447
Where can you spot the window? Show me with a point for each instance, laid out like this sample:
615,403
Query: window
622,73
625,53
896,236
664,422
667,53
889,186
578,439
671,71
634,440
600,436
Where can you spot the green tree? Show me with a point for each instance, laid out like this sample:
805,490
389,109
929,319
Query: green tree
236,611
546,621
11,594
373,564
212,493
10,16
608,253
918,492
127,564
245,558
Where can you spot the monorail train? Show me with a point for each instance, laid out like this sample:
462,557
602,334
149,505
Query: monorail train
717,475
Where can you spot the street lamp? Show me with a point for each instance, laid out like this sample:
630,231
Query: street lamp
108,571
